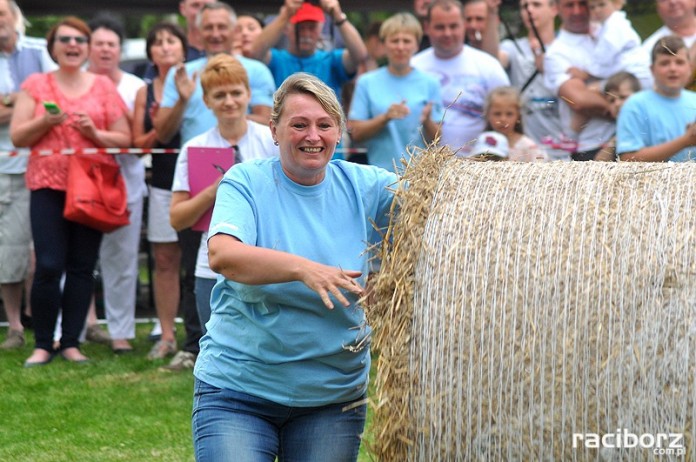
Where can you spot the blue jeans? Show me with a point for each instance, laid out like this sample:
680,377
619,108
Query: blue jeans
229,425
203,288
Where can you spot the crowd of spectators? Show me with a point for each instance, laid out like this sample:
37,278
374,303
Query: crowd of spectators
437,74
256,258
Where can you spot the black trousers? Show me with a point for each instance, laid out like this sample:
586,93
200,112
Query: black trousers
62,248
189,241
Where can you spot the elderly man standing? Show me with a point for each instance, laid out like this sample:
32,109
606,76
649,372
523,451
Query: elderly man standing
19,58
574,47
465,74
678,18
302,22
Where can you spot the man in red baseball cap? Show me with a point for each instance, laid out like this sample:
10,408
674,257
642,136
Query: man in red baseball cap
302,22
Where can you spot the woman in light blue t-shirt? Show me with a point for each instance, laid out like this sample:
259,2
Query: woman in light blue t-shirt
283,367
395,106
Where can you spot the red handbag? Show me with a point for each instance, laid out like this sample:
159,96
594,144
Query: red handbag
95,195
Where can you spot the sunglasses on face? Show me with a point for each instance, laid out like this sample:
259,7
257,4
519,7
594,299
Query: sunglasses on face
79,39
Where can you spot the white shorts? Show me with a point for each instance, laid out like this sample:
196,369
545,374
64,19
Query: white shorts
15,228
158,227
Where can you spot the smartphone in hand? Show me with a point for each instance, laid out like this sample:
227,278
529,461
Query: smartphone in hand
51,107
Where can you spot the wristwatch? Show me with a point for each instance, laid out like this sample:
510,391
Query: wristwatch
7,100
341,20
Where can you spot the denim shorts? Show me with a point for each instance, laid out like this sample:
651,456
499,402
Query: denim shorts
229,425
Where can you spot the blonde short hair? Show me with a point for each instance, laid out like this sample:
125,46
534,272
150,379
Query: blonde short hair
401,22
307,84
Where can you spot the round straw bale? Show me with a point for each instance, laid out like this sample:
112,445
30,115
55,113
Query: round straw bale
520,305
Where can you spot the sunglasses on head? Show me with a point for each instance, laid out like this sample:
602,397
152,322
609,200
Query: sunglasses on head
79,39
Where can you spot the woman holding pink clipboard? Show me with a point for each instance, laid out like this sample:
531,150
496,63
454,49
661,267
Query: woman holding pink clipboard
203,159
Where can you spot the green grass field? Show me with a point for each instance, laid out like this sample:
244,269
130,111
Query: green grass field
116,408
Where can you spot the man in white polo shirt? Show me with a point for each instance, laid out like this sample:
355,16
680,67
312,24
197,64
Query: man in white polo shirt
574,47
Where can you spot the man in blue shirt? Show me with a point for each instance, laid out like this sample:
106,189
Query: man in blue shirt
182,106
302,22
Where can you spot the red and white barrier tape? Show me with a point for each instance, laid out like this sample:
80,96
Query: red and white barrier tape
564,144
50,152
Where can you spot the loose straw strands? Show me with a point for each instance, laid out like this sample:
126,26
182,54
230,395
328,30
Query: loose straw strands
519,304
392,311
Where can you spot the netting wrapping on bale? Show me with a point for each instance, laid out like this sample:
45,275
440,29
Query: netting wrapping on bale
524,311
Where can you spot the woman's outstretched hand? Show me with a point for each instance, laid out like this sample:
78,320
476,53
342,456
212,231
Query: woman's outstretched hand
329,280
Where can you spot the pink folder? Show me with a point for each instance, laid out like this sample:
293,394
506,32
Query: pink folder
205,166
